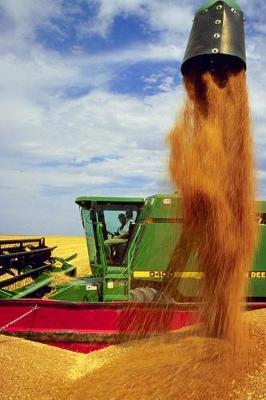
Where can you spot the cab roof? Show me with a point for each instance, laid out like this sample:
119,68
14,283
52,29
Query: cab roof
99,199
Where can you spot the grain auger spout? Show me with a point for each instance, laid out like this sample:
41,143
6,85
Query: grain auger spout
217,39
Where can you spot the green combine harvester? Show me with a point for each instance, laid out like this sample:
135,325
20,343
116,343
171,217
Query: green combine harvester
128,263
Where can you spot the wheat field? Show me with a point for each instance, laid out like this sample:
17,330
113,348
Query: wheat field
66,246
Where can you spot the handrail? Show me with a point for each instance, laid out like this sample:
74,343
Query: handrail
132,248
100,240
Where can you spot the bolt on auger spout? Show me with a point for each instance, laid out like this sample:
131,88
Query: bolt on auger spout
217,39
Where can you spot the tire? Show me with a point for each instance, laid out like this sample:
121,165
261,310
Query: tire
164,298
143,295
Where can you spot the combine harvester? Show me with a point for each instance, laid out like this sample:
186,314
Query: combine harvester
87,313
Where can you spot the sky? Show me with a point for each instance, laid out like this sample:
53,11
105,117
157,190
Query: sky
89,90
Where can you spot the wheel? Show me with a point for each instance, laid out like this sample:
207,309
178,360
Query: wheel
164,298
143,295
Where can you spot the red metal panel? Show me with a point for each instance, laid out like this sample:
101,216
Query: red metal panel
89,318
103,320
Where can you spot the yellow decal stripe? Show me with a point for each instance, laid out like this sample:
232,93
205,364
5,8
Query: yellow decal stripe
187,274
257,274
164,274
196,275
141,274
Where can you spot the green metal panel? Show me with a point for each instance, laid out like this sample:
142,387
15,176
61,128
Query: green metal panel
158,229
162,206
260,256
39,283
5,294
86,289
155,246
257,275
261,206
115,289
116,283
230,3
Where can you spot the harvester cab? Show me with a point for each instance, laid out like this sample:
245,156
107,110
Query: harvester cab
108,225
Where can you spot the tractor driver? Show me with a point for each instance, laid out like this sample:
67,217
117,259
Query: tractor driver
122,228
114,247
129,221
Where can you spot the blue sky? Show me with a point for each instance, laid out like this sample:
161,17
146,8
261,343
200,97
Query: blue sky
90,89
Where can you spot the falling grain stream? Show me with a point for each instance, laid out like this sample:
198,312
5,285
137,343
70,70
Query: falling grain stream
212,163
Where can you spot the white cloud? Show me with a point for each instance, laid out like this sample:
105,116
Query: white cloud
21,20
126,133
108,10
100,124
161,16
170,17
148,52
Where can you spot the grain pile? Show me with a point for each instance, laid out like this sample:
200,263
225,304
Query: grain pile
33,371
169,367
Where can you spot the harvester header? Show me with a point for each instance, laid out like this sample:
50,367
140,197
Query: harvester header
217,39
